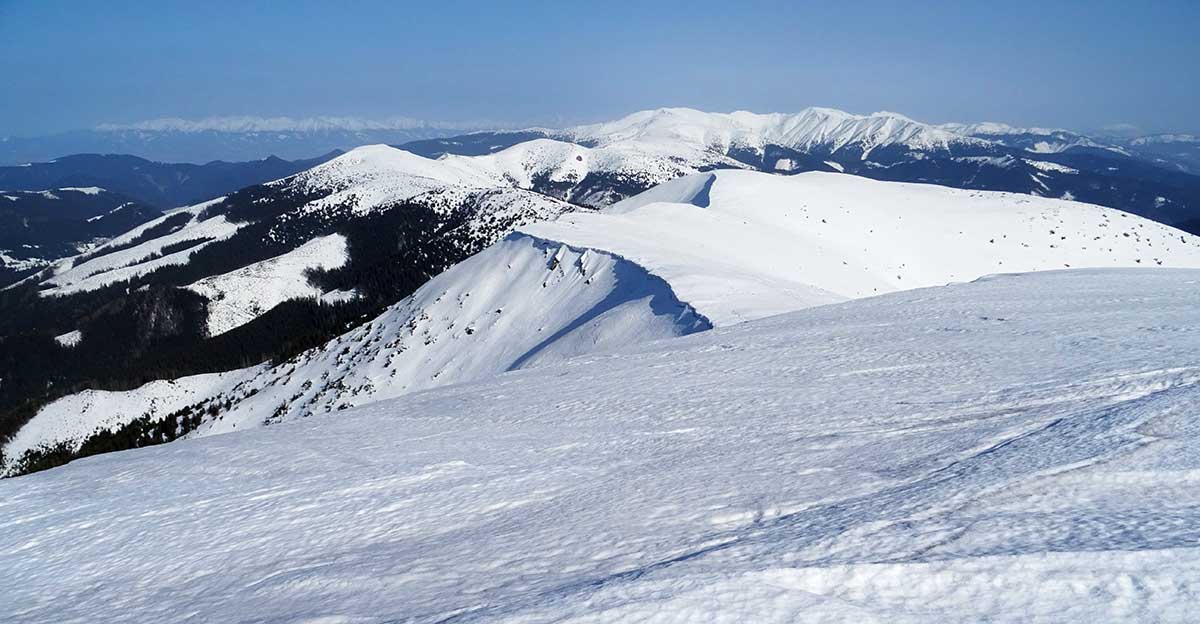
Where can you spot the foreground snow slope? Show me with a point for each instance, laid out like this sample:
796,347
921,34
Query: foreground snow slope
1021,448
701,251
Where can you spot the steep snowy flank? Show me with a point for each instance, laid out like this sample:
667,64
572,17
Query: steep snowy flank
1017,449
240,296
523,302
703,250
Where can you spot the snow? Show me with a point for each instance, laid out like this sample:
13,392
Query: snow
371,177
242,295
374,175
1165,138
143,258
73,418
687,133
339,296
992,128
1050,166
522,303
995,161
86,190
1020,448
19,264
110,212
835,165
1055,140
739,245
704,250
69,339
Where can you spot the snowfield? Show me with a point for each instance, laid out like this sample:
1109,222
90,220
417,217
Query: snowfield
705,250
1022,448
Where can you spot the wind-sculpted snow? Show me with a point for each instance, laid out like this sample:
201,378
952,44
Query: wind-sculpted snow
1020,448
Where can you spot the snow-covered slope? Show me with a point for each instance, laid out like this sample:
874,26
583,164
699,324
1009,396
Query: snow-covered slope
705,250
139,251
375,175
1016,449
368,179
523,302
591,176
240,296
299,218
740,245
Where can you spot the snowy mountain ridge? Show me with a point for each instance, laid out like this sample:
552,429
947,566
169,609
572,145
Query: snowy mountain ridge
705,250
831,129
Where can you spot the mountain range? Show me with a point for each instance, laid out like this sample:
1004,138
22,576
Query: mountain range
678,366
701,251
884,146
212,299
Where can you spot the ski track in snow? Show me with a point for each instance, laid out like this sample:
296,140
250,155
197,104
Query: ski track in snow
1022,448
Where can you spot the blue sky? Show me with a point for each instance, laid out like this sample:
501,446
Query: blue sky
1082,65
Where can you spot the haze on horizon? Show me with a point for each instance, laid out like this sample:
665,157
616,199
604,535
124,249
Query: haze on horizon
1084,67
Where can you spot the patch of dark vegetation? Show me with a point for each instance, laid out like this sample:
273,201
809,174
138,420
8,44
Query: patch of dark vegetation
141,432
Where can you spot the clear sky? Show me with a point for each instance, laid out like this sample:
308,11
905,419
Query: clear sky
1081,65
